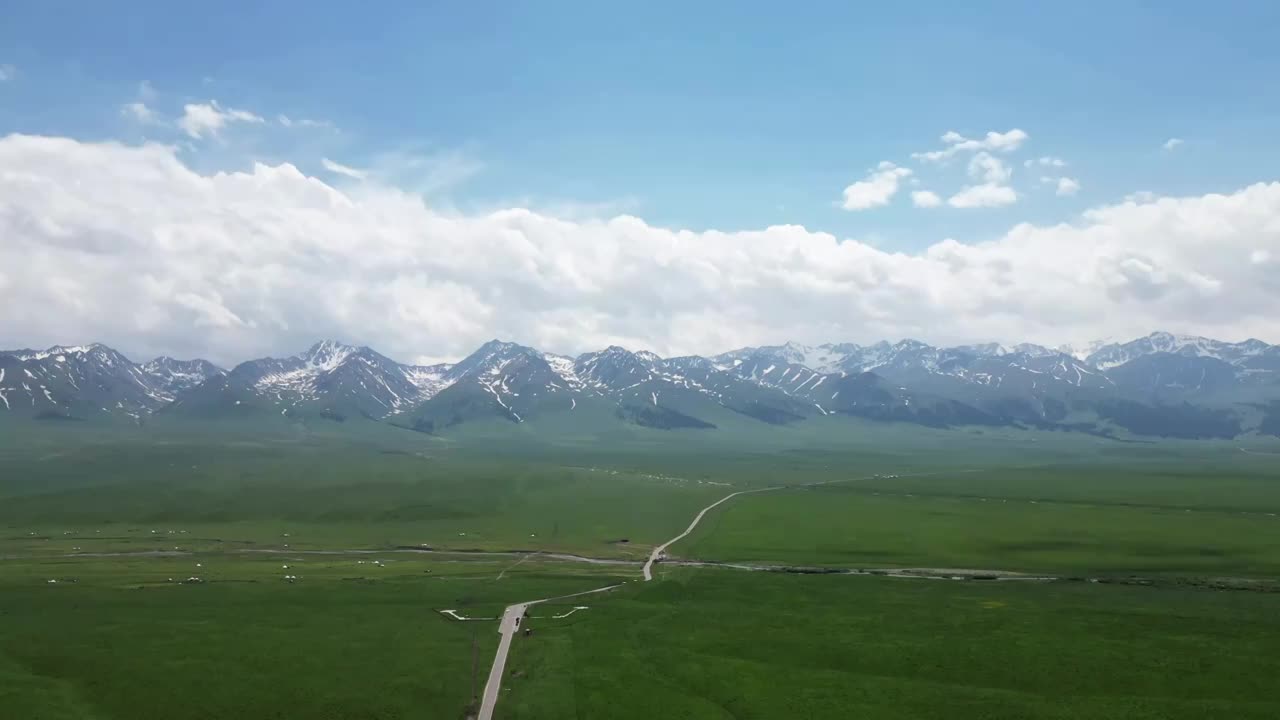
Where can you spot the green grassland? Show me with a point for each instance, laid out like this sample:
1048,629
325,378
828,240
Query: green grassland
711,643
1217,515
855,528
125,638
102,509
107,489
120,497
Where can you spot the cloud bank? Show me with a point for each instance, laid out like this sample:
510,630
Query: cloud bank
128,245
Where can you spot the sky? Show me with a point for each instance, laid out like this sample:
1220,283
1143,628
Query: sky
242,180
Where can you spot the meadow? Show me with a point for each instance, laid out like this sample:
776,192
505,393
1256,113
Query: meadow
716,643
855,526
130,497
120,519
350,637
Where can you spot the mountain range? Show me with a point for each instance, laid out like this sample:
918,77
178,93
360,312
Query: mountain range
1159,385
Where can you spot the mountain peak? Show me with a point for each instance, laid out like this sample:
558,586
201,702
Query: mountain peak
328,354
60,350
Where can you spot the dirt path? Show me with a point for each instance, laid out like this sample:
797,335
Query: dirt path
512,565
661,549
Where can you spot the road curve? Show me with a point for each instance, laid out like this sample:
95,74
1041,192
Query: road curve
658,551
507,627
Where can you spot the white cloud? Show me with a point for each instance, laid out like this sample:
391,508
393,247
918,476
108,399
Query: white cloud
994,141
1045,161
925,199
1172,143
341,169
990,174
139,112
200,119
983,196
1068,186
879,187
989,169
288,122
8,72
128,245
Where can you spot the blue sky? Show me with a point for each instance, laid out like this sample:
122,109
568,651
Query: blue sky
694,115
243,179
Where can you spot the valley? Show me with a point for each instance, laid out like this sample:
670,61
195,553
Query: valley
320,572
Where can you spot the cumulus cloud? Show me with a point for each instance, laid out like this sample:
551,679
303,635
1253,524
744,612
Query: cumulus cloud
989,169
957,143
128,245
1067,186
201,120
875,191
925,199
990,175
139,112
7,73
341,169
983,196
1171,143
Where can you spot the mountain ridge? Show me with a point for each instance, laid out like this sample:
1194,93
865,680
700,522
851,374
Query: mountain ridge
1115,387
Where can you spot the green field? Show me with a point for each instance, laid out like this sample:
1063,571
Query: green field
125,638
194,496
726,644
850,525
120,519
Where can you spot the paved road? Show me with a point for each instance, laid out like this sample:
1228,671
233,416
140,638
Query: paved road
508,627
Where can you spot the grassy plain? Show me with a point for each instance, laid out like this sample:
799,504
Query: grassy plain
123,637
116,638
711,643
1206,518
112,497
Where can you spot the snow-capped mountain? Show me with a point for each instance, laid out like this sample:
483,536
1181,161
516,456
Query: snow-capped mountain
1160,384
330,378
1082,351
826,358
1238,354
173,376
79,381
